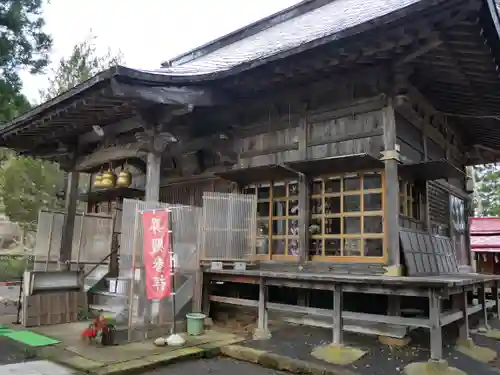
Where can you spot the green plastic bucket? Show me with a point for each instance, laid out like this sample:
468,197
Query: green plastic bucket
195,324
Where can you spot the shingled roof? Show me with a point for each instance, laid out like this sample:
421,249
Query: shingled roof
306,25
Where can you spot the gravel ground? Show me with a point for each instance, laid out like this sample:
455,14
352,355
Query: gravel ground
219,366
298,342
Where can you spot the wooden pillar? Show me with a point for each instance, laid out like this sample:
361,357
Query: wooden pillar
152,191
69,221
483,317
304,193
436,335
496,297
391,161
338,326
460,302
262,331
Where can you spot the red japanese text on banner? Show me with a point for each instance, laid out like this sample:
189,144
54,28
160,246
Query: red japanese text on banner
156,254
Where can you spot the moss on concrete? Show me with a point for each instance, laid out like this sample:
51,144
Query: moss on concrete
338,354
431,368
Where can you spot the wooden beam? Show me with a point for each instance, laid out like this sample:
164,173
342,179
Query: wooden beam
419,49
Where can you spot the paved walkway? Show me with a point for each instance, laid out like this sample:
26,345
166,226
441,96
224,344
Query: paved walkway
35,368
219,366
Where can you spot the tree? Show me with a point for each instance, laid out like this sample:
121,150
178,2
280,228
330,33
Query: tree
26,184
23,45
488,190
83,63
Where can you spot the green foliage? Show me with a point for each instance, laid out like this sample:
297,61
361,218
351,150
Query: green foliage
28,185
488,190
23,45
81,65
13,267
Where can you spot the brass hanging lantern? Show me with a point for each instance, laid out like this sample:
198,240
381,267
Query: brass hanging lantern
124,178
98,181
108,179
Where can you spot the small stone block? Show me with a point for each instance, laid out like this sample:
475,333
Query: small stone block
261,334
80,363
242,353
492,334
394,341
475,352
431,368
338,354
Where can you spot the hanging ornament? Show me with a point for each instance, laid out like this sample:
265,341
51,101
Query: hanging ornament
124,178
496,258
484,257
98,181
108,179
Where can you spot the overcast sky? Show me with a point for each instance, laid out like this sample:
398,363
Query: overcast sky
146,31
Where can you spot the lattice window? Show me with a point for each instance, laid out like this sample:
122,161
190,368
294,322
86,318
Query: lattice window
347,217
411,200
277,218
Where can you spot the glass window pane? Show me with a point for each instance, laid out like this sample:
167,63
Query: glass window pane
315,227
279,227
279,208
263,192
352,247
332,247
293,247
416,210
293,227
250,190
317,187
262,209
293,208
372,202
293,189
372,224
352,225
279,190
372,180
278,247
262,228
352,182
316,206
332,205
315,247
332,225
352,203
262,246
332,185
374,247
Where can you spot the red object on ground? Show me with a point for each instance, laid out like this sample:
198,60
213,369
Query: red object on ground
485,234
89,332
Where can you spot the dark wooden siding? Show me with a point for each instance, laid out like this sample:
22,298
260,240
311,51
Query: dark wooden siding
409,139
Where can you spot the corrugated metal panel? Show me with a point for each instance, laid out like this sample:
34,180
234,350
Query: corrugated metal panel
326,21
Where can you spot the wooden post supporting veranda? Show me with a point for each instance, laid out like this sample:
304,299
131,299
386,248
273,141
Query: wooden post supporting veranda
338,323
262,331
69,221
496,297
436,334
483,317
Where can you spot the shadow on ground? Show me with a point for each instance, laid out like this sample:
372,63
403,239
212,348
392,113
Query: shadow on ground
298,342
11,352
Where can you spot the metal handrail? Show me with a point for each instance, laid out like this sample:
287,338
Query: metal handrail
100,263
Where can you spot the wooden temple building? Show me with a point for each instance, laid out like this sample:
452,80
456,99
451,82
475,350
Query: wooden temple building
352,125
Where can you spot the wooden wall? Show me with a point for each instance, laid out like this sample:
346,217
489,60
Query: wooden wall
329,133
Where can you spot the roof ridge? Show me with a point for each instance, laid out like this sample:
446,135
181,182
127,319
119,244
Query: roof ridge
274,19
